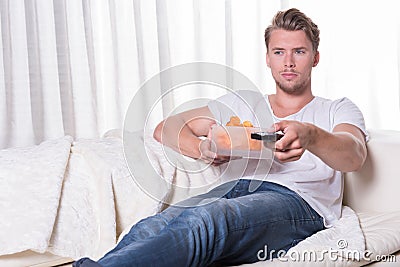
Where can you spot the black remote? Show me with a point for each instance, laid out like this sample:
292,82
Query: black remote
266,136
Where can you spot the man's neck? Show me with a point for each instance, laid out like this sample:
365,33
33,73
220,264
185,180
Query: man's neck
284,104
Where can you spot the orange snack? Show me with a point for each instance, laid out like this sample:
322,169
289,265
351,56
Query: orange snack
244,144
247,124
234,121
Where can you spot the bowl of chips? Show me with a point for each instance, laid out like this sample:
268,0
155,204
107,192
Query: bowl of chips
235,139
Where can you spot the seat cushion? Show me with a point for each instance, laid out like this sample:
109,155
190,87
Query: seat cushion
382,236
32,259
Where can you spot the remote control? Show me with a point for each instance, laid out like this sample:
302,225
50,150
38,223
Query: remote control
266,136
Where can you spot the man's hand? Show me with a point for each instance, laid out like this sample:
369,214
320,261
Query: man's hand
211,157
293,144
207,155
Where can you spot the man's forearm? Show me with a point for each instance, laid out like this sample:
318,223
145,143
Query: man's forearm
181,132
342,150
173,132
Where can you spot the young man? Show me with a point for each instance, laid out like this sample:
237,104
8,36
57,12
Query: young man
302,193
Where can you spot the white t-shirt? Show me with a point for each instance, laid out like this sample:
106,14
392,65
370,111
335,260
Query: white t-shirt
317,183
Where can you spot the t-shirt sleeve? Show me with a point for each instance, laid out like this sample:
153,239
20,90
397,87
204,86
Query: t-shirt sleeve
346,111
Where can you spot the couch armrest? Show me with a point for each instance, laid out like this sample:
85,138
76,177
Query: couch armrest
376,186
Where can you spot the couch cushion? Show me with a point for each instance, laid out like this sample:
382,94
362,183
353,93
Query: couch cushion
382,234
382,238
31,258
375,186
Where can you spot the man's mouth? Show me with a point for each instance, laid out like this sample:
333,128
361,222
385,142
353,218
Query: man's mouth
289,75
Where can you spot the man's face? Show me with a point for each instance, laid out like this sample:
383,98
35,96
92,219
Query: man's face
291,58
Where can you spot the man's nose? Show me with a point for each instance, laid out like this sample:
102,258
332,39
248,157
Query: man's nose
289,62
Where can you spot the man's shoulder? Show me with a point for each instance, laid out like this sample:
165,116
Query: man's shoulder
331,102
332,107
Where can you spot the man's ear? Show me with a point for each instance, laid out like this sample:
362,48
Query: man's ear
267,59
316,59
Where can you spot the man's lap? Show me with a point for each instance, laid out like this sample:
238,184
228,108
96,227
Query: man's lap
231,223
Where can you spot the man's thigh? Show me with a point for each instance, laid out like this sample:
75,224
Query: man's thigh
265,220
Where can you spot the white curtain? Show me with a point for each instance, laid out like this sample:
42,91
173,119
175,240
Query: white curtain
73,66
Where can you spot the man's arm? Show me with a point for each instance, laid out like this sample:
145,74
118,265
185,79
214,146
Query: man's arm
181,132
344,149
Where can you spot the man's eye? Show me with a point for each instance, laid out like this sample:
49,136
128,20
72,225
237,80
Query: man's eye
278,53
300,52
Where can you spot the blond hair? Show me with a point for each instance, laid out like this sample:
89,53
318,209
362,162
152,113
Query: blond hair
294,20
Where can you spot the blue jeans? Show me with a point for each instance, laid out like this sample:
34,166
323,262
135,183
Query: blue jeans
239,227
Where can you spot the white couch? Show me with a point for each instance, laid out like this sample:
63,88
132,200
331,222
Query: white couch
373,192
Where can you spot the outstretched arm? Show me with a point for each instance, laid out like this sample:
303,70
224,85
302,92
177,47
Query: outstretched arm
344,149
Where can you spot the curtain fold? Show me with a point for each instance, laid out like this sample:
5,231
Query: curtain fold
72,67
18,123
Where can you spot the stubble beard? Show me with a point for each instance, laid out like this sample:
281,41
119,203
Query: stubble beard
292,88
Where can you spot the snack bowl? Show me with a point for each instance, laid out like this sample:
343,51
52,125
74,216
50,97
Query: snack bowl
237,141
